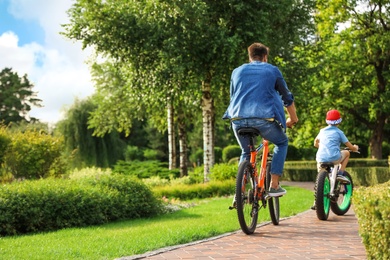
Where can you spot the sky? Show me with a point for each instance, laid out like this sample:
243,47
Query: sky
30,44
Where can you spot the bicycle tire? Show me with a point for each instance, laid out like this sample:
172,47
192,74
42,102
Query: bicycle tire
247,206
273,202
343,197
322,196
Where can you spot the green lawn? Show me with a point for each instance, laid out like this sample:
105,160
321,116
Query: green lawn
204,219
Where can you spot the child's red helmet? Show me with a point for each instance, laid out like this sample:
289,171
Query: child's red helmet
333,117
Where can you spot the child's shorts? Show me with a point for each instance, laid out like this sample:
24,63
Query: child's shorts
342,158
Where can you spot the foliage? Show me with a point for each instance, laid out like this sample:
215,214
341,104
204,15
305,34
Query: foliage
51,204
182,54
218,154
347,68
34,155
197,157
133,153
372,207
223,171
197,174
231,151
196,191
5,140
89,172
16,97
82,148
145,169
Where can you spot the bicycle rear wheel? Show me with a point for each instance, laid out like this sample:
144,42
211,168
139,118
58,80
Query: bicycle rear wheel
273,202
343,197
247,206
322,190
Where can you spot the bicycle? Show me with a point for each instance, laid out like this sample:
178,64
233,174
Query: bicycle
330,194
252,187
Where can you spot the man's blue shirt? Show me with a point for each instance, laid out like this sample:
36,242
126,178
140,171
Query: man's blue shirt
331,137
258,90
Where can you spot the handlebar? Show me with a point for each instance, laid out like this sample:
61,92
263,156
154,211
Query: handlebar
347,148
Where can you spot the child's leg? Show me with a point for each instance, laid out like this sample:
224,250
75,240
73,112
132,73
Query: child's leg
344,159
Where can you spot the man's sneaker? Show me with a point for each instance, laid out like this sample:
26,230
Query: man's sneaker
276,192
342,179
234,203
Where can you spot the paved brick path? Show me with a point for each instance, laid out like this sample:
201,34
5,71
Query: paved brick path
299,237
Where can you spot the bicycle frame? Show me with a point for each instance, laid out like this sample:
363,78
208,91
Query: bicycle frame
260,178
333,177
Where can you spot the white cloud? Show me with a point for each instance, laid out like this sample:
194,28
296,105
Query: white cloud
56,68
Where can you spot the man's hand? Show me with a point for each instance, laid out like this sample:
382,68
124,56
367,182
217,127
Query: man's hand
290,123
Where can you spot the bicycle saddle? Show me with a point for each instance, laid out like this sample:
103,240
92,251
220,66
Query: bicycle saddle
248,131
326,164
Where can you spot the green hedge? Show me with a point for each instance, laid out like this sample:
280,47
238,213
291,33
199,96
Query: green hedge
365,172
52,204
372,208
196,191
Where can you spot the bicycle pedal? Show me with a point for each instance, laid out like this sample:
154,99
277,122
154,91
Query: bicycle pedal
232,207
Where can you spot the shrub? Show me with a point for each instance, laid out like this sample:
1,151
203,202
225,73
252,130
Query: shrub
133,153
152,154
223,171
197,175
196,191
34,155
145,169
230,152
372,207
197,158
218,154
5,140
52,204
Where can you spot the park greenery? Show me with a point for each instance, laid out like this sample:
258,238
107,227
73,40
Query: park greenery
161,71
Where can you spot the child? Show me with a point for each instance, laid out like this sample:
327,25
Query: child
328,143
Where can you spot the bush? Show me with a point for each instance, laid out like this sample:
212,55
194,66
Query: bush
230,152
133,153
196,191
52,204
223,171
145,169
218,154
34,155
197,158
197,175
5,140
372,207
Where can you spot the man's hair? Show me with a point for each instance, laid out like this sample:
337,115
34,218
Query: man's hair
258,50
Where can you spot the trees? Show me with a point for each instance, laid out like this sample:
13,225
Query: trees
84,149
349,61
175,49
16,97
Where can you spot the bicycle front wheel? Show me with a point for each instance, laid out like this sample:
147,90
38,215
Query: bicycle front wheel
322,190
273,202
247,206
343,196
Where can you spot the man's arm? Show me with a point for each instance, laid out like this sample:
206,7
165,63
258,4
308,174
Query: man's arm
292,115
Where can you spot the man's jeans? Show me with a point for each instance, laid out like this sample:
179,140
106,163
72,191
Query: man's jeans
272,132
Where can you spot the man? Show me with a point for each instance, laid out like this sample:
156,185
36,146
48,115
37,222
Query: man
258,95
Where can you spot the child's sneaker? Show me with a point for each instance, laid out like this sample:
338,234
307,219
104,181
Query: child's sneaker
276,192
342,179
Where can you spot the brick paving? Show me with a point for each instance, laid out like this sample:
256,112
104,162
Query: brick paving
299,237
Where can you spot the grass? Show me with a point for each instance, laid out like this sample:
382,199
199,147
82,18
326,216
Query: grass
207,218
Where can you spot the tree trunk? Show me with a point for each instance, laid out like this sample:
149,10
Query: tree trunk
171,136
377,138
183,146
208,128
